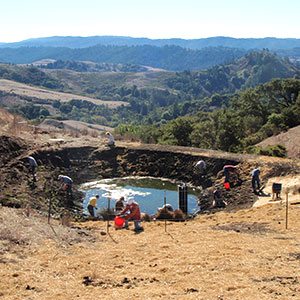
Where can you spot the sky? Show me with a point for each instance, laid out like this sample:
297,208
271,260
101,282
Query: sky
154,19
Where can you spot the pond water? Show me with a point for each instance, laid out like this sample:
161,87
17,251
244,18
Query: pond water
148,192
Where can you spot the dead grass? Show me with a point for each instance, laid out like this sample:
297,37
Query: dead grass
243,255
16,88
27,227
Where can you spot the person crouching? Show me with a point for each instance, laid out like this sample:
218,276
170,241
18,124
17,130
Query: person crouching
134,214
92,205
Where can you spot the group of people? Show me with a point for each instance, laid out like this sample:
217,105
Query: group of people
255,180
65,180
200,167
129,210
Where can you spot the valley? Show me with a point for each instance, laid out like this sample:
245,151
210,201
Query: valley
167,107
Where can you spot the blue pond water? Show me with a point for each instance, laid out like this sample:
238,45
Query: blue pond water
149,192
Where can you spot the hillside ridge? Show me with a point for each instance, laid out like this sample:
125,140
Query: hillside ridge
83,42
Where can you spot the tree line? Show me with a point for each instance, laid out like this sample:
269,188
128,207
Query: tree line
251,116
168,57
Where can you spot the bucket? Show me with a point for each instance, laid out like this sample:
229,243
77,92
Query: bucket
119,222
227,185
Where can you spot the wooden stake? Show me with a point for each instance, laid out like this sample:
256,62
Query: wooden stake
165,209
49,211
108,210
286,210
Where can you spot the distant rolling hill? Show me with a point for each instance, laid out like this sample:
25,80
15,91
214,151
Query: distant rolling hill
271,43
170,57
254,68
170,54
30,92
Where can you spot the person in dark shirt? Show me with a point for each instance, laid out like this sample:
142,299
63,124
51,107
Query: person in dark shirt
218,201
119,206
66,184
228,169
32,165
255,180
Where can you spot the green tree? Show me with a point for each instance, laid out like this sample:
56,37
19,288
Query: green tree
65,108
181,129
280,93
229,131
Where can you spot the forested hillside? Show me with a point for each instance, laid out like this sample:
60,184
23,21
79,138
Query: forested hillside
85,42
166,57
170,54
80,66
229,107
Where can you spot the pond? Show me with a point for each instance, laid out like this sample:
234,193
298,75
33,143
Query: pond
148,192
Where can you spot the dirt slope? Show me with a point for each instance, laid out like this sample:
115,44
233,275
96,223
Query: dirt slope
289,139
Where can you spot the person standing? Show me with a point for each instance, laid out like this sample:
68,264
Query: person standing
134,213
255,179
92,205
32,165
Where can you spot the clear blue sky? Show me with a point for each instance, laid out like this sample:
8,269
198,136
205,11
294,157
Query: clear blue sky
187,19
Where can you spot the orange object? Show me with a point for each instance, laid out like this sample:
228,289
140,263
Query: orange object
119,222
227,185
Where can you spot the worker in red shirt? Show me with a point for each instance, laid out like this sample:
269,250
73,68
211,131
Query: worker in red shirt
227,169
134,213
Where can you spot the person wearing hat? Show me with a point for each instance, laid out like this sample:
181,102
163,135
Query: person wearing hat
111,140
66,184
166,206
92,204
200,167
32,165
134,213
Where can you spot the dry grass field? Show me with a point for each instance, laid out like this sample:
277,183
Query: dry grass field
248,254
12,87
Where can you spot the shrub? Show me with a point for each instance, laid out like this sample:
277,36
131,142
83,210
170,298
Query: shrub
274,150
